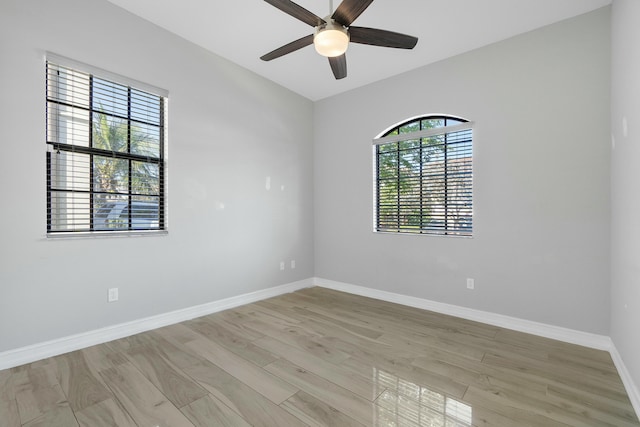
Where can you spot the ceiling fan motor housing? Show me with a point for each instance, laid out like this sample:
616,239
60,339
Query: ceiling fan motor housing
331,39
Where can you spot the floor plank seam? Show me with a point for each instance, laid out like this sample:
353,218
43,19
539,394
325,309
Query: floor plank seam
322,357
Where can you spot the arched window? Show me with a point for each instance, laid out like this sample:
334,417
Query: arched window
423,177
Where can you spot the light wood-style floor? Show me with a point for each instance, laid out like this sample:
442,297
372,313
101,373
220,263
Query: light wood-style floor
320,357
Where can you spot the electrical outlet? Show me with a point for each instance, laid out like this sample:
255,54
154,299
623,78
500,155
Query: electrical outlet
470,284
293,264
281,265
113,295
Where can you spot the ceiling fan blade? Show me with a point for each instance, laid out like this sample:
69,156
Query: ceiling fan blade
349,10
288,48
339,66
297,12
375,37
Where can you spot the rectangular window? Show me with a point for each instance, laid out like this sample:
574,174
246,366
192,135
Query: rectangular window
424,178
105,154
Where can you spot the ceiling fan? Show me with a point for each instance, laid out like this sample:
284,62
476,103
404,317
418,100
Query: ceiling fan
333,33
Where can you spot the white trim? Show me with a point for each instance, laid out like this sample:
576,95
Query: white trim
31,353
420,117
104,234
20,356
425,133
600,342
632,389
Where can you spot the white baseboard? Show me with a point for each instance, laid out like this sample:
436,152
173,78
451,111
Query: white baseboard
31,353
632,389
586,339
20,356
599,342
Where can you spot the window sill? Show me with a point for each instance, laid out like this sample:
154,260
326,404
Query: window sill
105,234
402,233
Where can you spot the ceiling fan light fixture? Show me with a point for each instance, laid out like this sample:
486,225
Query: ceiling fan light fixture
331,40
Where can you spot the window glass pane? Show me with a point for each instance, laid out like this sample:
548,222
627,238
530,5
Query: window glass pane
387,173
410,127
409,163
453,122
388,165
67,125
109,133
145,107
108,212
70,171
145,178
69,211
110,175
145,212
432,151
437,140
145,139
68,86
393,146
110,98
432,123
388,203
408,145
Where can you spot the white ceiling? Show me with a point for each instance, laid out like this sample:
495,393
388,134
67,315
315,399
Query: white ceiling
244,30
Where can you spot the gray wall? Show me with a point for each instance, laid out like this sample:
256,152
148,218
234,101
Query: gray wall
541,248
228,131
540,251
625,176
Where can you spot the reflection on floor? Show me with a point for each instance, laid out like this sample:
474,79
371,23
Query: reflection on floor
406,403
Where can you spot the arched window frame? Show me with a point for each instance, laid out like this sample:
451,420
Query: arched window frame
423,177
